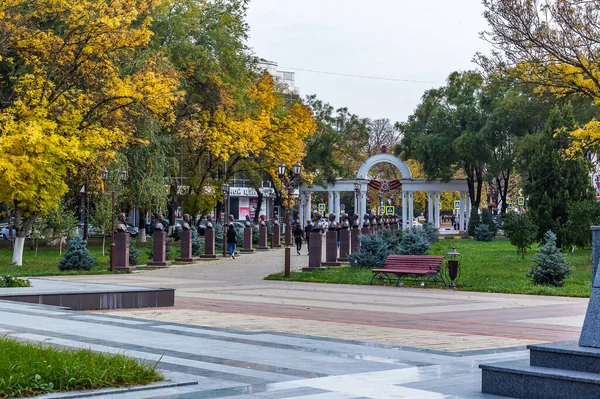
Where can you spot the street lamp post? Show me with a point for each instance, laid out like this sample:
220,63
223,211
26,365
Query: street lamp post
288,183
225,190
123,178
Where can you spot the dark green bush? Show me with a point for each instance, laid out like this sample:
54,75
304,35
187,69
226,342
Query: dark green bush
549,266
197,244
134,253
77,257
520,231
483,233
392,237
372,252
486,219
415,241
431,231
474,221
218,237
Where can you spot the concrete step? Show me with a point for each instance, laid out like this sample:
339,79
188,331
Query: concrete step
566,355
518,379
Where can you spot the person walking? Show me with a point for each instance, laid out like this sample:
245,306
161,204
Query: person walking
307,231
298,233
231,240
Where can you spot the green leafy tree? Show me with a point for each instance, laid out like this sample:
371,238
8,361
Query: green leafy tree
557,176
61,223
520,231
77,257
549,267
582,215
445,134
102,218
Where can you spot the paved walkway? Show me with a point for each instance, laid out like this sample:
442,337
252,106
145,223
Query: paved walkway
232,294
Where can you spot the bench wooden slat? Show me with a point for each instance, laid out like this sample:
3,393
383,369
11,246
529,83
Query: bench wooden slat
399,265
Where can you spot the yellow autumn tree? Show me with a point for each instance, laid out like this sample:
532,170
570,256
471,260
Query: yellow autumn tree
73,77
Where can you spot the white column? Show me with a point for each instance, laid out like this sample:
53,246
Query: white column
460,211
404,213
430,218
330,202
336,204
363,203
438,223
467,210
411,208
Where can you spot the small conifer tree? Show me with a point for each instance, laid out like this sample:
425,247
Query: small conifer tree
486,219
483,233
415,241
372,252
77,257
549,266
474,221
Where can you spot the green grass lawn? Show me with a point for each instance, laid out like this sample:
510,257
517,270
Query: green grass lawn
31,369
45,261
486,266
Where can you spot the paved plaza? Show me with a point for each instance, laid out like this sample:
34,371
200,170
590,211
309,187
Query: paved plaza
240,336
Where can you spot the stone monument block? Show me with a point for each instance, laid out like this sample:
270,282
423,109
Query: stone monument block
247,240
344,245
185,237
159,249
331,249
276,237
262,238
209,244
122,251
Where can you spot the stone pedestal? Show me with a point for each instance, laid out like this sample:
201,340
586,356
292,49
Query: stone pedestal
558,370
185,237
595,249
247,241
122,251
262,238
344,245
209,244
159,241
331,249
314,252
354,243
276,237
365,230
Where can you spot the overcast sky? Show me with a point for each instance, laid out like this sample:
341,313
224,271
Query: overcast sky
401,39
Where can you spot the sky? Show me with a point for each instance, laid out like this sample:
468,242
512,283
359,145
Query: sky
399,39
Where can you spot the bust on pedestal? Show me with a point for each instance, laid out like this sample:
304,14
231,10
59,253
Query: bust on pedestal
185,237
344,239
276,233
366,227
209,240
315,249
262,234
331,240
247,236
159,242
122,245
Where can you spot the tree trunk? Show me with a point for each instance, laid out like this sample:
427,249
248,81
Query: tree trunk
21,228
84,213
18,251
142,236
259,202
103,244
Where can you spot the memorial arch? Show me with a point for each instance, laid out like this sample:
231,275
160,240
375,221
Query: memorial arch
409,186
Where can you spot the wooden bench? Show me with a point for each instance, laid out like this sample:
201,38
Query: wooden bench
397,266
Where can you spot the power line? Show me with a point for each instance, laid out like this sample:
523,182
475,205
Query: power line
361,76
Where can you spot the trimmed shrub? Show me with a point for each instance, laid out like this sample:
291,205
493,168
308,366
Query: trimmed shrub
486,219
474,221
218,237
372,252
431,231
483,233
549,266
197,244
77,257
415,241
134,253
392,237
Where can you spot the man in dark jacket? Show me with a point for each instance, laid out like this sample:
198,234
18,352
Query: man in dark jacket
307,231
231,240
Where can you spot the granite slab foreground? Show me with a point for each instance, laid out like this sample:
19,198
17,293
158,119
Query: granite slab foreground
89,296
